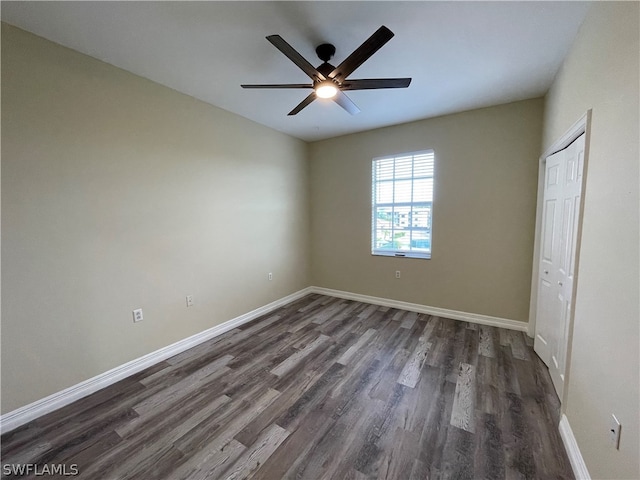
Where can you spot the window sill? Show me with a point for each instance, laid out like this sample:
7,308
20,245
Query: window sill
424,256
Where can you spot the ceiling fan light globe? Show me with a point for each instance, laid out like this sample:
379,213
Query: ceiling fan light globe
326,90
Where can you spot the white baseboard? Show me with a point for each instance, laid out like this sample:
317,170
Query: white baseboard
531,330
573,452
415,307
22,415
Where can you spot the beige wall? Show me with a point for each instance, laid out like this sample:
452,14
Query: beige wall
483,220
119,193
602,72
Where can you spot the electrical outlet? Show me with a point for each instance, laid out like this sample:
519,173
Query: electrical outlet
397,273
270,276
189,300
614,432
137,315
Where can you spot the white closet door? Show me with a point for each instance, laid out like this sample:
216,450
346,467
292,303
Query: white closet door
561,214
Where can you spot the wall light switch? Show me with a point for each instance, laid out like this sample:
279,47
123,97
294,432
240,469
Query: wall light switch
189,300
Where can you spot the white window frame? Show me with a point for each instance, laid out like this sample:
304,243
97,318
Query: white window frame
410,251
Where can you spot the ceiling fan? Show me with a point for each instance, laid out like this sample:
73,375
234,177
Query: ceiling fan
330,81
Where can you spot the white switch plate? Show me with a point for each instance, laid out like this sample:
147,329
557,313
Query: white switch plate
137,315
614,432
189,300
270,276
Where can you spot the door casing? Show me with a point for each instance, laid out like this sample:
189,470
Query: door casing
583,125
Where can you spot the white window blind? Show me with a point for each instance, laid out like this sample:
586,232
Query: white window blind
402,202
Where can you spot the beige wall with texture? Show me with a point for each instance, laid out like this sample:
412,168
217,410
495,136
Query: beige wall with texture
119,193
601,72
483,220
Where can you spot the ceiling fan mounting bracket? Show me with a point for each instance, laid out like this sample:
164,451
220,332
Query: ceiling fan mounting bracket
325,51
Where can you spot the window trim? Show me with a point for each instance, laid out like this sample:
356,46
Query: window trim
399,253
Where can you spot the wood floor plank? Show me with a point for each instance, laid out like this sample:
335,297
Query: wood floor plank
488,399
507,375
313,303
470,350
310,398
545,442
489,456
321,388
437,423
409,320
210,465
169,428
399,459
291,362
234,422
520,461
414,411
198,350
363,340
291,391
457,462
486,343
518,347
297,446
85,456
65,441
257,454
330,459
328,313
143,422
104,407
411,371
169,396
386,383
463,410
368,311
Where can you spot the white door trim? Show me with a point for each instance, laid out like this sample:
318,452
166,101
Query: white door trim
583,125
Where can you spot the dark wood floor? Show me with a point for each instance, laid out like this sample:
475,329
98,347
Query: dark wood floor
321,388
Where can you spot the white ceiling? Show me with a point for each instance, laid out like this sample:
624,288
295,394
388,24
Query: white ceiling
461,55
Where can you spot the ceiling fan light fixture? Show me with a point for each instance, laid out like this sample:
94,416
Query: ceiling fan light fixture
326,89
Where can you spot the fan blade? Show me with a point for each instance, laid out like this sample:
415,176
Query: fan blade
362,53
346,103
285,85
372,83
303,103
295,57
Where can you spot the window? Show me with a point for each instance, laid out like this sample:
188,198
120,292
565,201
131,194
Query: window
402,197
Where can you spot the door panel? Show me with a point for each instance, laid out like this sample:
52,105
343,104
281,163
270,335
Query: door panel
547,241
547,305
